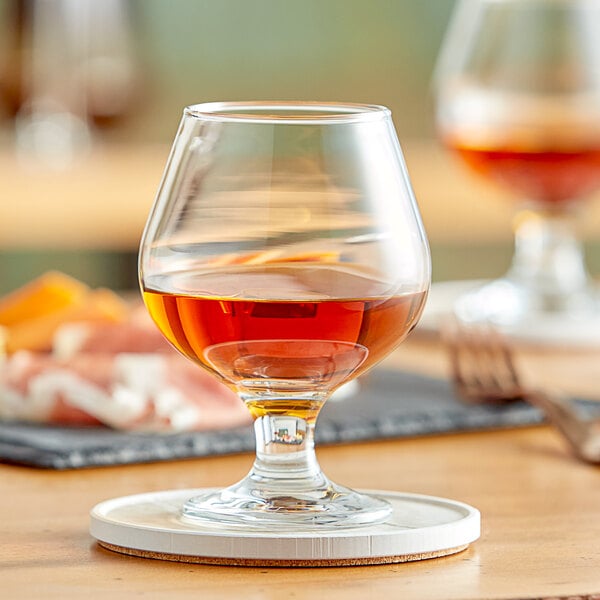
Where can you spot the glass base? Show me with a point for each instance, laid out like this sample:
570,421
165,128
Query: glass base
527,314
547,283
505,302
245,505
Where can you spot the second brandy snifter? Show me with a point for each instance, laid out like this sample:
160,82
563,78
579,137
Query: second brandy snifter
518,99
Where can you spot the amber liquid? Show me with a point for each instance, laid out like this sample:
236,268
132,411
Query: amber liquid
550,177
299,335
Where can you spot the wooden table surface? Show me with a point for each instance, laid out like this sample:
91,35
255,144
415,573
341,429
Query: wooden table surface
540,523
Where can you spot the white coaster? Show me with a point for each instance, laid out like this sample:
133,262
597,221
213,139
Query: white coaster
149,525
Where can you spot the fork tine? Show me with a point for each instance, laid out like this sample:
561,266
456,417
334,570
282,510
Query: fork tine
496,361
481,365
456,348
460,350
505,359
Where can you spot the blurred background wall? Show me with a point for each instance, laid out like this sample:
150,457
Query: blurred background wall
189,51
84,215
350,50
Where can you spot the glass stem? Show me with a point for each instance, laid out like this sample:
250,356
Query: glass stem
548,258
285,454
286,487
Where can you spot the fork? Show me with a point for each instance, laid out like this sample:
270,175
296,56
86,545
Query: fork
483,371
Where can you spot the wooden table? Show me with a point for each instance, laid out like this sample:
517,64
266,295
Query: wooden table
540,524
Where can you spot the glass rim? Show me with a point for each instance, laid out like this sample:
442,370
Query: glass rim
287,112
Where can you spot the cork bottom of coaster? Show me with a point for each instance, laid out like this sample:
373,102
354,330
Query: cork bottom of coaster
247,562
150,526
